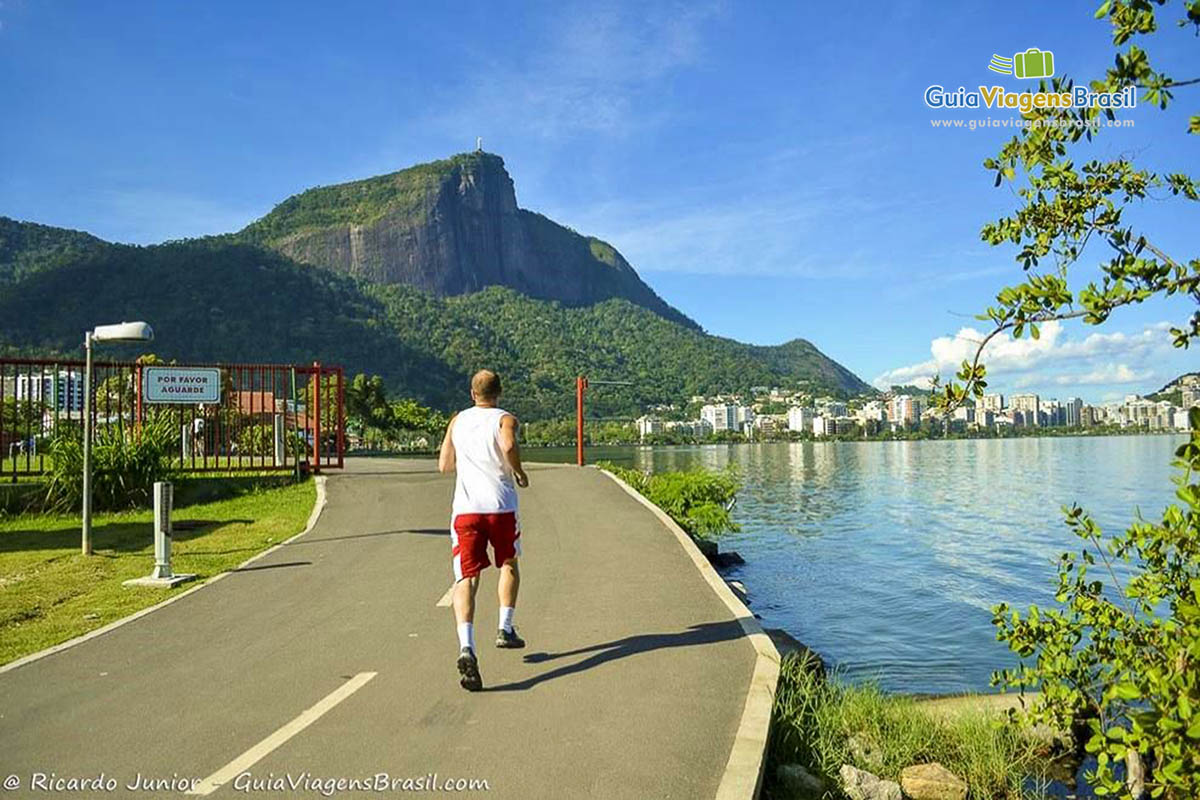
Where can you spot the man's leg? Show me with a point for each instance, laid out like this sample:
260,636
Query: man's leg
464,616
510,583
464,610
468,556
506,542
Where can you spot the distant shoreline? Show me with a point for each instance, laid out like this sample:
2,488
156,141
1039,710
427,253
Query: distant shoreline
531,448
860,440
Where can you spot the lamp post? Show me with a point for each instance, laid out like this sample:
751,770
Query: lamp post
123,332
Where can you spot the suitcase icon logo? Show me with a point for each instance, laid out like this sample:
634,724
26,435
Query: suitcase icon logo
1033,63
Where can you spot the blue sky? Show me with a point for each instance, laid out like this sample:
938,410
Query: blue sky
769,168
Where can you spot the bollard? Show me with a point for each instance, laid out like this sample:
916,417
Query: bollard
186,438
164,495
280,457
162,576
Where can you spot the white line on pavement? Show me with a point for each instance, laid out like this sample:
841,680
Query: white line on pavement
263,748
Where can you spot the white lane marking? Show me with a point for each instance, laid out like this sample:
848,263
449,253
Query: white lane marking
267,745
447,598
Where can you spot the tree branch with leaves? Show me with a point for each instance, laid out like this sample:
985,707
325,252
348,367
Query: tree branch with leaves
1065,206
1121,658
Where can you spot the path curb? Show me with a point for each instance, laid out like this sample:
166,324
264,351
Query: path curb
743,775
318,507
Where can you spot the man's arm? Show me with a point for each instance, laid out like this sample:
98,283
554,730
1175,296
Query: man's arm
446,456
510,448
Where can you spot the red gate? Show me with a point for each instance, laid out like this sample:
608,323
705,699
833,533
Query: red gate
270,416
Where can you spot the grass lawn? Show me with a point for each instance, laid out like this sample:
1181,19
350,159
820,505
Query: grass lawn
49,592
824,724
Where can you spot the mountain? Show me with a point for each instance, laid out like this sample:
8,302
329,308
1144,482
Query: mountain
448,228
561,304
1173,391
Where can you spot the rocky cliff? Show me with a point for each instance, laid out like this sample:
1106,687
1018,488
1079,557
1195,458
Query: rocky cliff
451,227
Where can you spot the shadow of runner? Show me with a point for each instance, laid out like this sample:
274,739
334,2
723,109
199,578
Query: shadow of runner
701,634
273,566
421,531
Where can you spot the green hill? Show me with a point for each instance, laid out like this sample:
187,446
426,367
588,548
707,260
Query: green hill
26,248
222,299
1173,391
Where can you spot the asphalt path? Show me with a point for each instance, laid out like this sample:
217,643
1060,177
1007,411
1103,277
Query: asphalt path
329,663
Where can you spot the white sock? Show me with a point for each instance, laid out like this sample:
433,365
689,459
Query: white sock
506,615
466,635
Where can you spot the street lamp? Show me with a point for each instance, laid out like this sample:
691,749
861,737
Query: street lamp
124,332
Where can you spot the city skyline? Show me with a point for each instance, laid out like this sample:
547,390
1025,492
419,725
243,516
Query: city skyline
799,412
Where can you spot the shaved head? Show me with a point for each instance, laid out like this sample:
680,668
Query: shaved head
485,385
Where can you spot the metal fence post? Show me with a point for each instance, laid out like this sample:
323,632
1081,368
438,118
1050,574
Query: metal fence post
279,454
316,417
164,496
296,418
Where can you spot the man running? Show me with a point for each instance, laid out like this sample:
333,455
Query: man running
481,446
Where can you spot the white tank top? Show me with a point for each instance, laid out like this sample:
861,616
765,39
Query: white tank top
484,483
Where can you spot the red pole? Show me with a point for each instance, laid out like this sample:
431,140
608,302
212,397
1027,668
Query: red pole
316,417
341,420
580,385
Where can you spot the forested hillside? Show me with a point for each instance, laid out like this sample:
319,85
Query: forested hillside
223,299
26,247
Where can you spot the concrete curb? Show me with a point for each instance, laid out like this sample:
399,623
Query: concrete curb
318,506
743,775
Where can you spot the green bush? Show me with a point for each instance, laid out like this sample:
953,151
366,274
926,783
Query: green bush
699,499
1125,658
823,724
125,465
256,440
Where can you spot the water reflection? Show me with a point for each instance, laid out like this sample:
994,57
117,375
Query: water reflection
886,557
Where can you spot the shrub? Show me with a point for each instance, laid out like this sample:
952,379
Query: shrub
1125,658
699,500
125,465
256,440
824,724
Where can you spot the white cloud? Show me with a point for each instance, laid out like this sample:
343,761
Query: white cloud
1106,375
705,233
1053,359
589,75
713,240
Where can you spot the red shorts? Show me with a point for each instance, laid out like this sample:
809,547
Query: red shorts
472,533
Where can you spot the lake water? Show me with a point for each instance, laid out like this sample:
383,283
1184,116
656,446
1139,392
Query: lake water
886,557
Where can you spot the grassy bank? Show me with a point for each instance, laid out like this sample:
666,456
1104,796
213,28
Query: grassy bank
823,724
50,593
698,499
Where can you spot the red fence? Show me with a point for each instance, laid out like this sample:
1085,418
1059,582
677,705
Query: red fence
268,416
